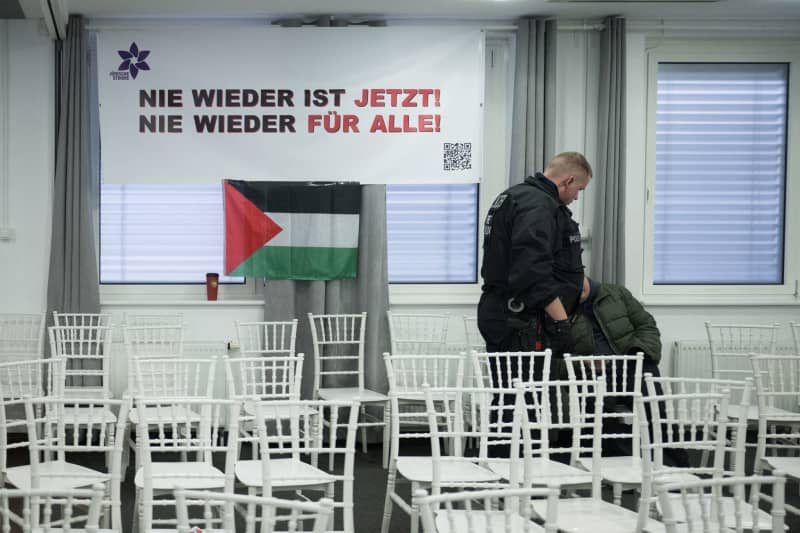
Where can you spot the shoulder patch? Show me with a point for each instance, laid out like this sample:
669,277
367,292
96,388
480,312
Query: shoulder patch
499,201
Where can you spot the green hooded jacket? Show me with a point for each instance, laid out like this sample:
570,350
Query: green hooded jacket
627,325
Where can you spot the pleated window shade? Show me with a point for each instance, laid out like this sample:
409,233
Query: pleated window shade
432,233
720,173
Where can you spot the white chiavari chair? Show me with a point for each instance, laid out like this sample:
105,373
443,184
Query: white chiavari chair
338,341
286,450
623,376
777,380
178,439
65,432
19,381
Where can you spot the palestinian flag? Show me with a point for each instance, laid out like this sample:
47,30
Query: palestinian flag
291,230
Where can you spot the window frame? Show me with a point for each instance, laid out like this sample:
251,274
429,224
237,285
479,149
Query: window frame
723,51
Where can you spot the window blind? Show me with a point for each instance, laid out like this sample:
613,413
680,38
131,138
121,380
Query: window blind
432,233
161,233
720,173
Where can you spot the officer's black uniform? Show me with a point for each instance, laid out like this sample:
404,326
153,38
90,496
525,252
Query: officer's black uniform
531,253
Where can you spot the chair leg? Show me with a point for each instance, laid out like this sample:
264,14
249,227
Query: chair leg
387,441
617,489
414,511
137,511
250,519
387,505
363,429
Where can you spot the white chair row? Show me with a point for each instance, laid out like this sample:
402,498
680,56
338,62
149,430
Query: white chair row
193,443
668,400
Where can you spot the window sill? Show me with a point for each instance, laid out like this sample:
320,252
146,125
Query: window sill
181,303
683,300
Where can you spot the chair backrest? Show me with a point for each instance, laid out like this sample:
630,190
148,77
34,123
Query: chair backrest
267,338
20,380
195,429
731,345
264,378
87,351
137,319
489,511
777,380
304,437
573,407
687,399
417,333
153,341
408,373
473,335
623,376
21,336
217,512
338,347
698,506
46,510
81,319
795,328
499,369
150,341
174,377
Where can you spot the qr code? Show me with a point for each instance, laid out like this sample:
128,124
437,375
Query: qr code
457,156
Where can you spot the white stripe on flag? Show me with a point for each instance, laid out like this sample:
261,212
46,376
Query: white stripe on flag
323,230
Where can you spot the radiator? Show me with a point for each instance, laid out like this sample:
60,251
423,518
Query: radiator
693,358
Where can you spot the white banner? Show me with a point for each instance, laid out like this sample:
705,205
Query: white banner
375,105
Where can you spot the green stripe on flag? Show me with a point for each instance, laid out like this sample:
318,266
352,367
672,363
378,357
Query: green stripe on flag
303,263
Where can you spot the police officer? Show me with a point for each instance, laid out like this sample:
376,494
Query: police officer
532,268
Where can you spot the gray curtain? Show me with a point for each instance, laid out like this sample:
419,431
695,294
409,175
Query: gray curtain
73,283
531,135
287,299
608,238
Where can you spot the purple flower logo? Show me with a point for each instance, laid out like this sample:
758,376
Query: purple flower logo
133,60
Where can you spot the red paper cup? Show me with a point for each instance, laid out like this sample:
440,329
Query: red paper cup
212,285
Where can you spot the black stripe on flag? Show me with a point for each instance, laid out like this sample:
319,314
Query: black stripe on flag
302,197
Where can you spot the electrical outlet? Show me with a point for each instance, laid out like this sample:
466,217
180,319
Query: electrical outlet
7,234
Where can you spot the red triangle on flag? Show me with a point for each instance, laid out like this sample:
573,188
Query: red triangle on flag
247,228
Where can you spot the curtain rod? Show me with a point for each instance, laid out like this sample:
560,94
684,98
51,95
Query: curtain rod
580,27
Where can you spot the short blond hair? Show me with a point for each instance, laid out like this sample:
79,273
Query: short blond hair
569,163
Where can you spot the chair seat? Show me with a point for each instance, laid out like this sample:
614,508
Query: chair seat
190,475
274,412
545,472
728,508
420,469
178,412
590,515
735,412
788,465
284,472
456,522
352,393
73,530
82,415
56,475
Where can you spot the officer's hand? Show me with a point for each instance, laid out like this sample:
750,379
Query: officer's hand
559,334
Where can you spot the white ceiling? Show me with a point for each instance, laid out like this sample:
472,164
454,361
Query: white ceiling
450,9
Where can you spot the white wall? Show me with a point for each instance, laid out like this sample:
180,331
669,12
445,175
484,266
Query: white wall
26,163
26,62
